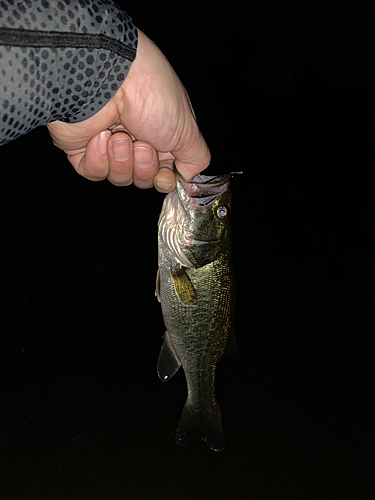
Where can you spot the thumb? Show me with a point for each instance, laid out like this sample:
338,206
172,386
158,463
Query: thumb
193,156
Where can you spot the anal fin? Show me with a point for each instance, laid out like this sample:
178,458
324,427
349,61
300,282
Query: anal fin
168,362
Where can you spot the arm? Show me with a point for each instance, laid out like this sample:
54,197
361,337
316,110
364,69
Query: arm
85,111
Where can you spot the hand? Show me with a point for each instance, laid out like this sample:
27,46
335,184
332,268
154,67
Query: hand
151,107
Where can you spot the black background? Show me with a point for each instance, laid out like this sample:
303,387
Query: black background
284,93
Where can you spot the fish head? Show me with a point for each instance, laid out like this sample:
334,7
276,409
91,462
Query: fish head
203,217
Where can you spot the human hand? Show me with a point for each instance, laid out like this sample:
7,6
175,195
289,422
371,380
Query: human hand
151,107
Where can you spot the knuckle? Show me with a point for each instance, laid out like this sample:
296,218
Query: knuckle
96,170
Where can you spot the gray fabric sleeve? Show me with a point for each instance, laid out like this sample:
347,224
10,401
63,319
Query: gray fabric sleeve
60,60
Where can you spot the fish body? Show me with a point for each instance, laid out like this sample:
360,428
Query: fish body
196,288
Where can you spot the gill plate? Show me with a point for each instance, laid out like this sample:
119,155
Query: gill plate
169,237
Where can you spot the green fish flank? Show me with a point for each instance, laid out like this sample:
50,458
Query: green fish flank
196,289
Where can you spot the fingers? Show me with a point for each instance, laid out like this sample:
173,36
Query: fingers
120,159
116,157
91,162
131,162
146,165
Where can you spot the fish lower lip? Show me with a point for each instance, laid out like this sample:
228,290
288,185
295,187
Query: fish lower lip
192,241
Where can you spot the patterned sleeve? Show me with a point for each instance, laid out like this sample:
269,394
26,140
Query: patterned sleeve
60,60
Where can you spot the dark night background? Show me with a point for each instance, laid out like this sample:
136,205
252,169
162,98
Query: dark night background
286,94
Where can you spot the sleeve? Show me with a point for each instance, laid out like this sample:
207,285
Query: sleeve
60,60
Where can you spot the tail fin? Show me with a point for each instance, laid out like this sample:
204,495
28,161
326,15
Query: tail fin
195,424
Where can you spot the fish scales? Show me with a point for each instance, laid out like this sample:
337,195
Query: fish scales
196,289
206,323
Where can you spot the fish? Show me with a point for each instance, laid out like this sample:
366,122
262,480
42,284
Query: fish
196,288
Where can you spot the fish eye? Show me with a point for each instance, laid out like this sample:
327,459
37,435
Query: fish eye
222,212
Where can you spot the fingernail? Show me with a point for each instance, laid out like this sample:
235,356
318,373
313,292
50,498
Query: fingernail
102,140
163,186
121,150
143,157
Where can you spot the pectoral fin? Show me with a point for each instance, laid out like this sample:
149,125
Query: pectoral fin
168,362
231,348
183,286
157,289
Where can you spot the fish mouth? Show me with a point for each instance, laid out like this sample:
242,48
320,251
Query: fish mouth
189,240
205,188
211,180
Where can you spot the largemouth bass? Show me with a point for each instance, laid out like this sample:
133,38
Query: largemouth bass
195,286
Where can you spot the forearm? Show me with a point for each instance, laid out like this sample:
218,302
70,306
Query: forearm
60,62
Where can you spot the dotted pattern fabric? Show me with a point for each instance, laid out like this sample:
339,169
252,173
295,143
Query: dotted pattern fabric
42,84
